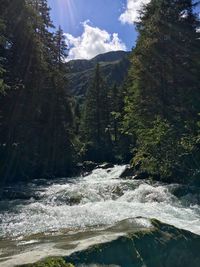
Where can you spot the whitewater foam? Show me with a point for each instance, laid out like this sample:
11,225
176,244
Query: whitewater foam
99,199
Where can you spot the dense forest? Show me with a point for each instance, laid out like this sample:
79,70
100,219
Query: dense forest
152,120
162,103
36,135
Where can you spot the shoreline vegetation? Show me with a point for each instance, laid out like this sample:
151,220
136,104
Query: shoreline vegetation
150,121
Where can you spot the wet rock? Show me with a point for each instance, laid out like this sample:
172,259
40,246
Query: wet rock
75,200
128,172
89,166
189,195
79,167
182,190
117,191
141,176
85,168
161,245
106,166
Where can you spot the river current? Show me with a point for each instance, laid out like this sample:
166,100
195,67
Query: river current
55,216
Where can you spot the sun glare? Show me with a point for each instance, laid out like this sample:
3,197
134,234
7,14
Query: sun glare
67,8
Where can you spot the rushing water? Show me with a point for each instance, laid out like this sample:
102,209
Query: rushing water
53,212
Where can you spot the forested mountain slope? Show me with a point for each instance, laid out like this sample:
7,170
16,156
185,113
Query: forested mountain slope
113,65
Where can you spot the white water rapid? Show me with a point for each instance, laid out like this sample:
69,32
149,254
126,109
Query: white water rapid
100,199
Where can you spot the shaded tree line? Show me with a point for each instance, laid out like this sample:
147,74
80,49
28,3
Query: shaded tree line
36,120
101,123
152,120
162,105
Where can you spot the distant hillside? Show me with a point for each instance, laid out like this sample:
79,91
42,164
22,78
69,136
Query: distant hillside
114,67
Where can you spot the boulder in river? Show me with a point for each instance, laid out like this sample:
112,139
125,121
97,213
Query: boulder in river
106,166
89,166
161,245
128,172
141,175
86,167
131,172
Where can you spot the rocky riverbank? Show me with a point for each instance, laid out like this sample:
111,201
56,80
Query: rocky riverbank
159,245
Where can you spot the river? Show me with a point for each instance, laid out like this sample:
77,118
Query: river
61,216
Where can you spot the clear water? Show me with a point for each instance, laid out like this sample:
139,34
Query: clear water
98,200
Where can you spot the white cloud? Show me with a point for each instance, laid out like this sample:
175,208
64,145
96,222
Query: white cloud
131,12
92,42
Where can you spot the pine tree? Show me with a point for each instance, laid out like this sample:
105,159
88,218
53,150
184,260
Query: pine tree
61,49
115,107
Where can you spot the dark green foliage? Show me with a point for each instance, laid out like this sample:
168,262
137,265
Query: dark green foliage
102,132
35,113
60,47
162,103
96,121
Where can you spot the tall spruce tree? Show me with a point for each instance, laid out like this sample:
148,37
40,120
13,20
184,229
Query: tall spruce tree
61,49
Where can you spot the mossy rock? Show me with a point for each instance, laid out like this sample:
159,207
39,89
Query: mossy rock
50,262
160,246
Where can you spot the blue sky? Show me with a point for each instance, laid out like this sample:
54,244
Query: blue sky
102,13
92,27
94,18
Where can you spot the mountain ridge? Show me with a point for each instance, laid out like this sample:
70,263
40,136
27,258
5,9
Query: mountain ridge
113,66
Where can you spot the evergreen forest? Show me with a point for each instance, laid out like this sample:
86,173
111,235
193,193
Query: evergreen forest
151,120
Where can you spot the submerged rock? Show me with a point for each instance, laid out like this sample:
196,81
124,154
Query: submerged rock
117,192
128,172
74,200
160,246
